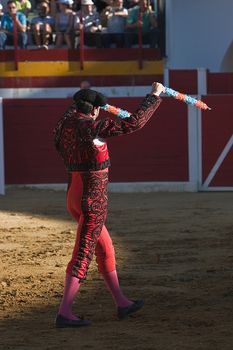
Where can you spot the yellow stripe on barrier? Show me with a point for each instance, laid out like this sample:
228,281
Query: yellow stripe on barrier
65,68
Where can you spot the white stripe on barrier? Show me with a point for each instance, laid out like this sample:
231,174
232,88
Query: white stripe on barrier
199,141
166,77
201,81
64,92
127,187
2,177
193,145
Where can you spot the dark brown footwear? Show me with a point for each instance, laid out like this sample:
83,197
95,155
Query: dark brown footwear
63,322
123,312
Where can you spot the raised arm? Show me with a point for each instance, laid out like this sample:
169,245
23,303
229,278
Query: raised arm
108,127
87,129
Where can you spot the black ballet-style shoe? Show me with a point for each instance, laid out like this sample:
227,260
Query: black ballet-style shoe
63,322
123,312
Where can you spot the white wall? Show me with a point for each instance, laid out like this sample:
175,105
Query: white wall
199,33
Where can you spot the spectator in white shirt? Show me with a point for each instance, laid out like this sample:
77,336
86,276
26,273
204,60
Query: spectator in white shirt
91,24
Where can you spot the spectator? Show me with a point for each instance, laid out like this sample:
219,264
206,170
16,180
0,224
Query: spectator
76,5
24,6
148,22
85,84
1,13
116,20
100,5
130,3
64,22
91,24
7,25
42,26
104,13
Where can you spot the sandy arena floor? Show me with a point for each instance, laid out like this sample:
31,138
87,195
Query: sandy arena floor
175,250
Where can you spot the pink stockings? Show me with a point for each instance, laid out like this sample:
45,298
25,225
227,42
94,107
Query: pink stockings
111,281
71,288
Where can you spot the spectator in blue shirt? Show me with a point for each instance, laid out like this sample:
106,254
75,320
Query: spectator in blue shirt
42,26
116,19
6,31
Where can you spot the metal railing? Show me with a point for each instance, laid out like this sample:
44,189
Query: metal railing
81,47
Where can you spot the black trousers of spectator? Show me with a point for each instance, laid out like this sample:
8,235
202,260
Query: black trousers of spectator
150,38
93,39
113,38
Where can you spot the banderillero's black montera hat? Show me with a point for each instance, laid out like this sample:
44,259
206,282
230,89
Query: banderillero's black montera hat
95,98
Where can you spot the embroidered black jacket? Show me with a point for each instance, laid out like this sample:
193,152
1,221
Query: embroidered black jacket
80,139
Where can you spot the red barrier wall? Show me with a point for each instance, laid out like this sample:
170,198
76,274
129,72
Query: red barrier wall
217,129
159,152
219,83
28,139
184,81
74,81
